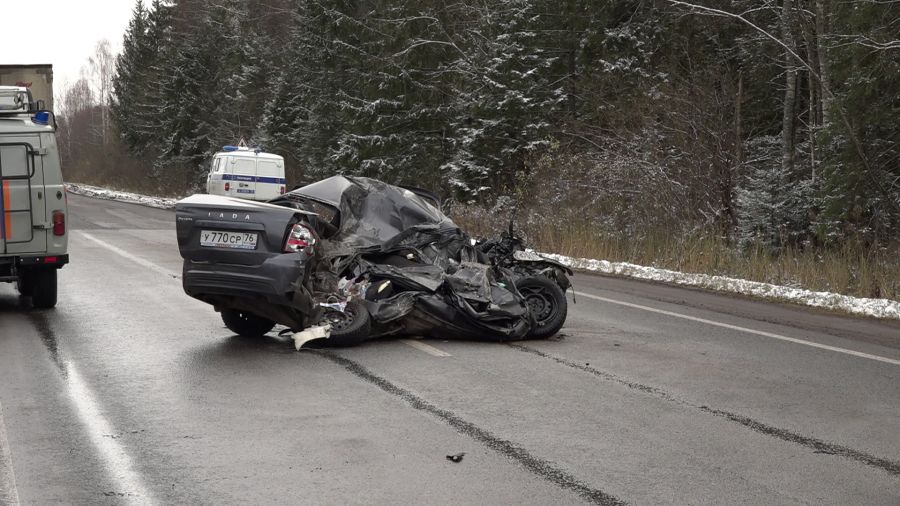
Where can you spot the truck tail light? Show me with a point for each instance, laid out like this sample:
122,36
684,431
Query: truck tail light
227,186
299,238
59,223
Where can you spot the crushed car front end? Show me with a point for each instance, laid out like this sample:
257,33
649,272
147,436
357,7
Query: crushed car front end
361,259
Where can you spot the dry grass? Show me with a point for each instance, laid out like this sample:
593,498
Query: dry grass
850,270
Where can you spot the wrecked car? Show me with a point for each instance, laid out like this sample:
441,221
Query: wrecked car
354,258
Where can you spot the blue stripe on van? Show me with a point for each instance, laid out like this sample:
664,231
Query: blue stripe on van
251,179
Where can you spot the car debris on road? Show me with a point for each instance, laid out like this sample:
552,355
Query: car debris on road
457,458
347,259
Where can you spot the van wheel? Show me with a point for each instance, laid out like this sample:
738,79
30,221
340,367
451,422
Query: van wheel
25,283
246,324
43,288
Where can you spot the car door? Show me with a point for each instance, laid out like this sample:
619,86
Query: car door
209,177
215,181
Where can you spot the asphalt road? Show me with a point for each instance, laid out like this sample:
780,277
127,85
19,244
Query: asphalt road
131,392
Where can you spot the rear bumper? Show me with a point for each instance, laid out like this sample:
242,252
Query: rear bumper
54,260
9,265
273,280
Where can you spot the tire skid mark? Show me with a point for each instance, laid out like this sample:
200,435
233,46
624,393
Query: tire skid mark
818,445
48,337
536,465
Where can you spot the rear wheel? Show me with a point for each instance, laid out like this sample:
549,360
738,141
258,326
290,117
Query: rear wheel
547,304
352,326
25,283
42,288
246,324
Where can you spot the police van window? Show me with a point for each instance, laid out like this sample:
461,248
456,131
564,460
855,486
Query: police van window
268,168
245,166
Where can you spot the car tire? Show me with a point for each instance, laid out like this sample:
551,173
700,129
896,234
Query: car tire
349,327
246,324
43,288
547,303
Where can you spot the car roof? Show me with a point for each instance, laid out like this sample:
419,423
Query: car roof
250,154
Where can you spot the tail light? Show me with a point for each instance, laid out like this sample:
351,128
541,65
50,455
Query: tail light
281,190
59,223
227,186
299,238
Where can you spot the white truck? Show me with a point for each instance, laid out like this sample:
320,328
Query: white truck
33,202
37,78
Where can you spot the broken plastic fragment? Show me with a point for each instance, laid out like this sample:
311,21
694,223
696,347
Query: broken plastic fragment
312,333
336,306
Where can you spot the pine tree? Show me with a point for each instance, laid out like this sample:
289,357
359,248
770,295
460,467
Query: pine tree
774,200
128,86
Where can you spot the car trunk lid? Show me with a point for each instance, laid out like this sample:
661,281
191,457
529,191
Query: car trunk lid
229,230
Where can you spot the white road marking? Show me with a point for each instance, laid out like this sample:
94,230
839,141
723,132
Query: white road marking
431,350
119,251
744,329
118,462
9,494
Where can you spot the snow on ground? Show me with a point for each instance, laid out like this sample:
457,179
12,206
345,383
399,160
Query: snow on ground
878,308
107,194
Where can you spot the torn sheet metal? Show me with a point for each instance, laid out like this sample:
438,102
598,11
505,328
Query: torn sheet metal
430,277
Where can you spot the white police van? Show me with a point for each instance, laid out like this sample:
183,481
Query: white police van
246,173
33,203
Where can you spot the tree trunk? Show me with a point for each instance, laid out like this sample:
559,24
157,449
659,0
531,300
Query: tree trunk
732,174
824,82
790,88
813,109
738,134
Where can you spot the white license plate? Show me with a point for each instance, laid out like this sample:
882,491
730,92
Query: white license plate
231,240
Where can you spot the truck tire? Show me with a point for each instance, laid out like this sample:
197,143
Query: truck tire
246,324
547,303
43,288
351,327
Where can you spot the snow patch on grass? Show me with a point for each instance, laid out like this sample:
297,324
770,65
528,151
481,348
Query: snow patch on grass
878,308
107,194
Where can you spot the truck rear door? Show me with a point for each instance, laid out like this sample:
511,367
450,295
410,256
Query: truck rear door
269,179
243,177
22,207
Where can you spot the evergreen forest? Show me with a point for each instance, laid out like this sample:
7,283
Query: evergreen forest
758,138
